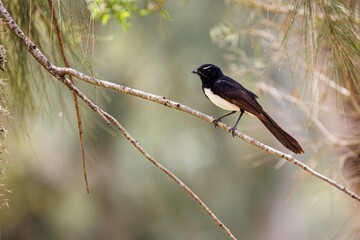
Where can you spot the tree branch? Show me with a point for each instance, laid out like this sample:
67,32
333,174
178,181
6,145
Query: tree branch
172,104
136,144
76,102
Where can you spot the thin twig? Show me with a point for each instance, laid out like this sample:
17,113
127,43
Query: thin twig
76,102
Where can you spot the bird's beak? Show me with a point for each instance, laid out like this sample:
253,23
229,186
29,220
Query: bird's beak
197,72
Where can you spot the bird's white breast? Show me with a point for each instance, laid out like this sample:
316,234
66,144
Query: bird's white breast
220,102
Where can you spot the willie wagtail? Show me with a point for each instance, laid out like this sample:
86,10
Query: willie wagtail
230,95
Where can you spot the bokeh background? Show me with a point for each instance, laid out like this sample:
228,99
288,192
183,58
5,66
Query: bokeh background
255,194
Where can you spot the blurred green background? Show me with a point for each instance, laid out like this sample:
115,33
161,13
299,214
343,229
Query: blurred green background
256,195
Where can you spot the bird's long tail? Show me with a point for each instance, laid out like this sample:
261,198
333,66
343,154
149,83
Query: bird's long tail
284,138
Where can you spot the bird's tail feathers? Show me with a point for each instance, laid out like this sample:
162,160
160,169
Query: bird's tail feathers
284,138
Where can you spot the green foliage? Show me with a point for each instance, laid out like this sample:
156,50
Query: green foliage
28,85
341,28
122,11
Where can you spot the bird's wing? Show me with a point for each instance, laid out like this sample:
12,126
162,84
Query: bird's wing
234,92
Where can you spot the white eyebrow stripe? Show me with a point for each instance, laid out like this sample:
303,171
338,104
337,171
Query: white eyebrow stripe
207,67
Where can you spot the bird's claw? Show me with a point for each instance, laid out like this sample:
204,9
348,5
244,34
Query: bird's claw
232,130
216,121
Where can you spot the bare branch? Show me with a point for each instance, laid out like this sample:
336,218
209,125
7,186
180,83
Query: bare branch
136,144
170,174
209,119
76,102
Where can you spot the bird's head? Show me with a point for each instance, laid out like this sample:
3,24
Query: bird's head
208,72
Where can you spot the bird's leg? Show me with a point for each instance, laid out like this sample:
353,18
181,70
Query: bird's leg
219,119
232,130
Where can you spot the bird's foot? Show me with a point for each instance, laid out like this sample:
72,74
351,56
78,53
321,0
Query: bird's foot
216,121
232,130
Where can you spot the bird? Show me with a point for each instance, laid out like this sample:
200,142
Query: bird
228,94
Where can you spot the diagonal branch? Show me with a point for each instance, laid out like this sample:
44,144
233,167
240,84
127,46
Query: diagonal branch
59,72
209,119
137,145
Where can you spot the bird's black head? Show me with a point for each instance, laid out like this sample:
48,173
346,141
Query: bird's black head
208,72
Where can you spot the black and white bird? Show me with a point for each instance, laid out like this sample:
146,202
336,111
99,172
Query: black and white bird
230,95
